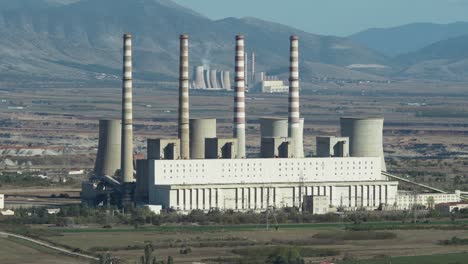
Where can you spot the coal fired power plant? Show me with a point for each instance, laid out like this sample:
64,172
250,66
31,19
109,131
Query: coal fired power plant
199,170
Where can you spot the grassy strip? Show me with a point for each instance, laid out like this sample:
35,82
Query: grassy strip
456,258
355,235
462,224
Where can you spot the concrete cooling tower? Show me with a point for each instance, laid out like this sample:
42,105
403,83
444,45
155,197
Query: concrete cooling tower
206,74
274,127
109,148
200,129
199,77
365,137
214,79
226,80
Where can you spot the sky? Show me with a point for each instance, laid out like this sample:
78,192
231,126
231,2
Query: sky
335,17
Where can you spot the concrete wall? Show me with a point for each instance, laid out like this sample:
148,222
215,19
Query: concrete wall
332,146
276,147
108,157
165,149
258,197
220,148
167,172
200,129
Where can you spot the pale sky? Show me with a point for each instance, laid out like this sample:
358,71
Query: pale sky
335,17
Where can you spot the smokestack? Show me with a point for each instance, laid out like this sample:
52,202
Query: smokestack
127,112
239,97
184,98
246,75
293,110
252,74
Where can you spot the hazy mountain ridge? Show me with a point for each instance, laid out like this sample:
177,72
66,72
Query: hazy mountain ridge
408,38
82,40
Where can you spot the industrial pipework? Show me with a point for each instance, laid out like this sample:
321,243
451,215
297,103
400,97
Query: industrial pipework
127,115
239,97
184,135
293,110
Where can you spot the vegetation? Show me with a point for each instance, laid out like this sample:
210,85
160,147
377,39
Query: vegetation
355,235
455,241
459,258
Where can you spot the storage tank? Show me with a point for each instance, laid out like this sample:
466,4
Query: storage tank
200,129
109,148
365,136
274,127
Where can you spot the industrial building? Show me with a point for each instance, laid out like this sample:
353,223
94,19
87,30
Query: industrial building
199,170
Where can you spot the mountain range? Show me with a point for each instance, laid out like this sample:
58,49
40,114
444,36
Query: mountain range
80,41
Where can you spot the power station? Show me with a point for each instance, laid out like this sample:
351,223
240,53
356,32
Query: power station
199,170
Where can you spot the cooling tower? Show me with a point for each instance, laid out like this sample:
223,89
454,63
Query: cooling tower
206,74
226,80
293,110
199,77
239,98
274,127
109,148
365,137
214,79
200,129
127,113
184,98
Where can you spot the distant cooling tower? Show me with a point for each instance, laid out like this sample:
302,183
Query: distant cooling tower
109,148
365,137
206,75
199,77
226,80
200,129
214,79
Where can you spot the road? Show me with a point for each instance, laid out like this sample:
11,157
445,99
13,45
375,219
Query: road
61,250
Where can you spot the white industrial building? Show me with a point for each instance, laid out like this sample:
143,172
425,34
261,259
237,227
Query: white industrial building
257,184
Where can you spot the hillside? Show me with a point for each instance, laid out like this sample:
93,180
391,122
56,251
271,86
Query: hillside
71,40
408,38
446,60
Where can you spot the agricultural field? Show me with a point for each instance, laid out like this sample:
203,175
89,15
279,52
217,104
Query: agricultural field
13,251
251,243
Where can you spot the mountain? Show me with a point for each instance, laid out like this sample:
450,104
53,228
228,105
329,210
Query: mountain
447,59
408,38
73,40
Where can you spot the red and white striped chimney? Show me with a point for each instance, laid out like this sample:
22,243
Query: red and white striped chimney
293,109
184,98
239,97
127,112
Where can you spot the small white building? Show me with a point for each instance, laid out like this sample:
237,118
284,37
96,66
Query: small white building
406,200
276,86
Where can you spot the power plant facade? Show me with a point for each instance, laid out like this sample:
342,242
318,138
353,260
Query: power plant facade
200,170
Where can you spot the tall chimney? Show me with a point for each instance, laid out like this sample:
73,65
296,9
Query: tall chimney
246,73
252,70
184,121
293,110
239,97
127,112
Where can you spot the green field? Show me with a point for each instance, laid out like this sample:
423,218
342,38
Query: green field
460,258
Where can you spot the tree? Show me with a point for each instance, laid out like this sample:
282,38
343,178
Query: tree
148,258
170,260
285,256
